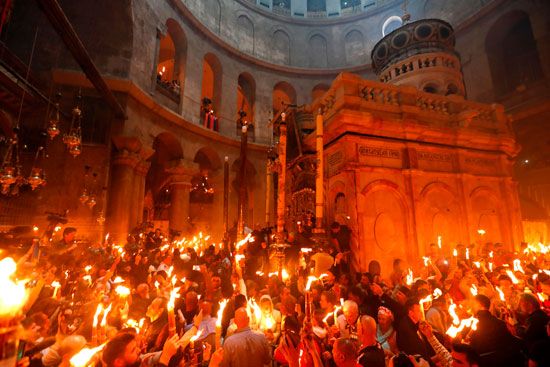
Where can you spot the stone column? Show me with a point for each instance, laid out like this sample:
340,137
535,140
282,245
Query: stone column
136,214
121,194
181,173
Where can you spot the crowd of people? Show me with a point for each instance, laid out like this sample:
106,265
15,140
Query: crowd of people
168,302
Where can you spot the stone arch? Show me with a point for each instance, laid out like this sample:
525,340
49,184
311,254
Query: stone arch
439,215
246,34
318,56
487,214
281,47
213,13
283,93
432,86
512,52
354,44
212,81
246,98
337,208
319,90
208,159
383,221
173,53
167,150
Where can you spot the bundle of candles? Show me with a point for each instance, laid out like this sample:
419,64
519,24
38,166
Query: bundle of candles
12,300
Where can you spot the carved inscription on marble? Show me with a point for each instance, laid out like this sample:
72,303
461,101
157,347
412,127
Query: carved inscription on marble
431,156
335,161
379,152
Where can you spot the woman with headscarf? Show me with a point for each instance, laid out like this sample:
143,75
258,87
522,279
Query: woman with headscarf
385,333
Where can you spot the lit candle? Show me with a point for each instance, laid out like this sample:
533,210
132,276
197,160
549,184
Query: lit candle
56,285
422,308
439,241
102,335
83,358
98,311
222,304
170,308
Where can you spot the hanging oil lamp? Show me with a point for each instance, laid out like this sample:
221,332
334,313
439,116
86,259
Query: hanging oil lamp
91,202
10,171
53,122
37,177
73,139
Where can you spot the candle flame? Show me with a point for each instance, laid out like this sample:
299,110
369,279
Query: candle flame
517,266
437,293
477,264
439,241
469,322
83,358
310,279
481,231
196,336
426,260
13,295
173,295
467,254
500,294
269,322
222,304
455,253
473,290
98,311
410,277
512,276
122,291
118,280
306,250
254,310
242,242
105,314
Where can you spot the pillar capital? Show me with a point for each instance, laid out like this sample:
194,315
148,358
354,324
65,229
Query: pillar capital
181,171
125,158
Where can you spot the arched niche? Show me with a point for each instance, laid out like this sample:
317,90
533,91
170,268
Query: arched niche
318,57
486,215
281,47
439,215
283,94
212,79
246,99
354,44
172,58
318,91
383,222
245,34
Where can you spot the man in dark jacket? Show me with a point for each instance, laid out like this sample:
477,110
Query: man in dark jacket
534,327
409,339
492,341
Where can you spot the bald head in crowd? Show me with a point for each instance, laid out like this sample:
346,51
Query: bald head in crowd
241,318
366,330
